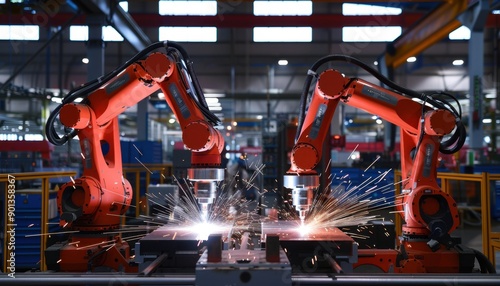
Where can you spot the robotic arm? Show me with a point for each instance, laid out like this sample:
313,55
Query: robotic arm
102,190
95,202
424,123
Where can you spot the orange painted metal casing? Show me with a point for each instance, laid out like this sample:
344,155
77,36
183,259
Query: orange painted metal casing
420,139
95,202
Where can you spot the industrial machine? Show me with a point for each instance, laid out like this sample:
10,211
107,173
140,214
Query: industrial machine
255,250
91,206
429,124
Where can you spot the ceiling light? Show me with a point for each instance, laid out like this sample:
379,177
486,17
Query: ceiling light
375,63
411,59
282,62
161,95
215,95
458,62
212,100
85,60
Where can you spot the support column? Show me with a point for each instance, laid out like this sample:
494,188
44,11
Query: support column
475,18
95,46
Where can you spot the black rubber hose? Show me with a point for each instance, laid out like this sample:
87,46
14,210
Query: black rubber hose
200,97
456,140
484,263
86,89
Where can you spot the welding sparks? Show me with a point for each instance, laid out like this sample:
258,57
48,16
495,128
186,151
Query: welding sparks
347,204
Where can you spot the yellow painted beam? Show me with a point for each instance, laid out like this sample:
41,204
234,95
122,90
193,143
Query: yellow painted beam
432,28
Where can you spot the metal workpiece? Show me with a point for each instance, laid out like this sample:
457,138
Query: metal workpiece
243,267
205,174
305,247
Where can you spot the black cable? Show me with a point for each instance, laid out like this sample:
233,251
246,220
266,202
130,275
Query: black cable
448,146
84,90
484,263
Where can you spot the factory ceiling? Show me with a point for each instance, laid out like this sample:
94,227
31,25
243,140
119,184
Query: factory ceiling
236,65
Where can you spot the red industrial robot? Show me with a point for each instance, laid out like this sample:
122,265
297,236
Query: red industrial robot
93,204
429,125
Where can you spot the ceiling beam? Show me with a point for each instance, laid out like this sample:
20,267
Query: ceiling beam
147,20
119,19
432,28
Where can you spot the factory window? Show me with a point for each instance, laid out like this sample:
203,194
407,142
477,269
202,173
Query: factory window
124,5
462,33
282,34
81,33
370,34
282,8
109,34
188,34
203,8
20,32
349,9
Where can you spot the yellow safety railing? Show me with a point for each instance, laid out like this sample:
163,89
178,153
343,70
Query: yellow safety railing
494,237
164,170
10,181
490,240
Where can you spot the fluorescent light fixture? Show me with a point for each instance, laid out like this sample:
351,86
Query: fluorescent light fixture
282,8
375,63
212,100
458,62
20,32
85,60
214,104
201,8
171,120
282,34
215,108
461,33
411,59
161,95
209,94
349,9
260,117
282,62
490,95
487,120
188,34
371,33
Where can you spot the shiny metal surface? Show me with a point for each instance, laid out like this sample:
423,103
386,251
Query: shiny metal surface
294,181
205,174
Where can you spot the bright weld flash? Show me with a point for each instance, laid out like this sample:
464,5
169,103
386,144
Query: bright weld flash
304,229
203,230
